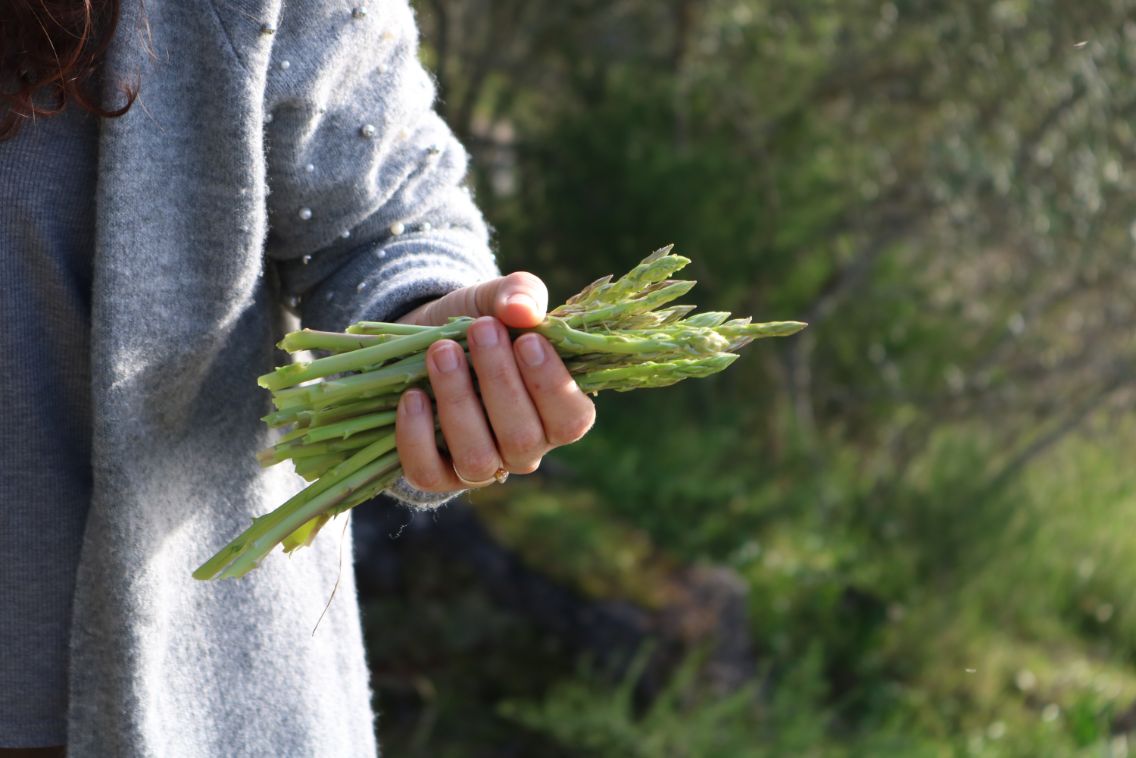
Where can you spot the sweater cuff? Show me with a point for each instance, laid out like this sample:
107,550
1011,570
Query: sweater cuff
384,282
418,499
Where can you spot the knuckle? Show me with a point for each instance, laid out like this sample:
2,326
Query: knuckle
478,464
496,367
473,299
536,380
572,428
550,380
453,398
523,443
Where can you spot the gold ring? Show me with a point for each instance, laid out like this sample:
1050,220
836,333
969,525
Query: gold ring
468,483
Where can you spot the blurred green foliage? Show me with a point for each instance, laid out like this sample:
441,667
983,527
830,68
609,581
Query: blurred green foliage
927,492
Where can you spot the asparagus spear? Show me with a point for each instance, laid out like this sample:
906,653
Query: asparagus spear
242,554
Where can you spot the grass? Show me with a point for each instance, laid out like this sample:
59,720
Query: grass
945,620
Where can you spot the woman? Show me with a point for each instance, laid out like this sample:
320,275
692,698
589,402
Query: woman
261,154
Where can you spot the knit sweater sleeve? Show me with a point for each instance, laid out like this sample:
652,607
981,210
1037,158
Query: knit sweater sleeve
369,214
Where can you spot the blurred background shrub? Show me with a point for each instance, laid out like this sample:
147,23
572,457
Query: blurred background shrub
903,532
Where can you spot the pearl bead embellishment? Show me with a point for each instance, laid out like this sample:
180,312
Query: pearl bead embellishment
346,234
367,130
309,168
285,65
427,226
397,228
305,214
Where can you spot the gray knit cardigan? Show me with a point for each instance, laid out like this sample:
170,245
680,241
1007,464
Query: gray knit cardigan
279,155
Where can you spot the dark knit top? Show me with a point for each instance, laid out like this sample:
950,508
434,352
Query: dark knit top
47,196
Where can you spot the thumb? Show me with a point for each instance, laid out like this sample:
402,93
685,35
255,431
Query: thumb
519,300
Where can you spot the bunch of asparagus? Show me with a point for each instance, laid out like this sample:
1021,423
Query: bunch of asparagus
612,335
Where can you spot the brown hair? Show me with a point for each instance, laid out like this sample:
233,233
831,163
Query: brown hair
53,47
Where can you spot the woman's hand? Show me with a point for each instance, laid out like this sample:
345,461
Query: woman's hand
528,402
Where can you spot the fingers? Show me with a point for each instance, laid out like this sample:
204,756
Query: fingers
422,465
516,424
464,426
518,300
566,413
526,404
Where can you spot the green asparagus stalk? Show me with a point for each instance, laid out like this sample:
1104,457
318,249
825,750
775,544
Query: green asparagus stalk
396,376
241,555
301,449
651,374
311,339
362,359
303,417
612,313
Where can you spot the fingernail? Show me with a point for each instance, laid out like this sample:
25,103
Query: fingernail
445,358
483,333
532,352
414,402
521,299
